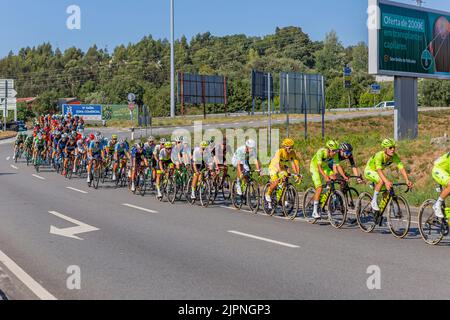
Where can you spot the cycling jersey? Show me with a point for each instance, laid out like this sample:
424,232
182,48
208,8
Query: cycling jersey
39,143
331,162
283,159
165,156
70,146
380,161
95,149
121,149
148,151
321,158
243,157
441,170
112,147
62,144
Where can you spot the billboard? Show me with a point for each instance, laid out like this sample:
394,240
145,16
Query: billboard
409,41
260,85
302,93
89,112
194,89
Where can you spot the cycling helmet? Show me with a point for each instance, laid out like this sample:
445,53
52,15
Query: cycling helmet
250,144
333,145
346,147
204,144
168,145
288,143
64,136
162,141
151,139
388,143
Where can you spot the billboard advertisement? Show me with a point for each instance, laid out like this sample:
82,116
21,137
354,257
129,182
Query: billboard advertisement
407,40
89,112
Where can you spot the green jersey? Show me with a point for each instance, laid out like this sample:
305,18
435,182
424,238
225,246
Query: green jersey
380,161
443,162
321,158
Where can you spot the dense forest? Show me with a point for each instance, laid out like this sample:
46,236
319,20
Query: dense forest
98,76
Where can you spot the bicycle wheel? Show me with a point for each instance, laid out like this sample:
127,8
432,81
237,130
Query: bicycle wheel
351,197
172,190
289,202
399,218
337,209
215,184
269,208
205,193
430,226
142,184
236,199
226,188
188,189
364,213
69,170
253,197
118,179
308,205
97,177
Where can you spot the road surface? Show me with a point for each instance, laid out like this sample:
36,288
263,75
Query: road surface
135,247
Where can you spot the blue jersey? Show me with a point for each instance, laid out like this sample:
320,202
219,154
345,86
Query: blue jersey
62,144
96,149
55,143
121,150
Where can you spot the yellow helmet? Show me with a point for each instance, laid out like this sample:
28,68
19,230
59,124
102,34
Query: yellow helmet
288,143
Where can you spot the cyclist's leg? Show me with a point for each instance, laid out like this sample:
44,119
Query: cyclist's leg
195,179
443,178
374,177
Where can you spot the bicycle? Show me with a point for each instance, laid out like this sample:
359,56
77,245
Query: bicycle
18,154
285,196
202,190
432,229
332,204
141,181
179,185
122,174
222,184
96,172
69,168
38,161
250,193
399,217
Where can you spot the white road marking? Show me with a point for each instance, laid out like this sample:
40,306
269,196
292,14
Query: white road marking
139,208
39,177
29,282
14,167
71,232
73,189
264,239
7,158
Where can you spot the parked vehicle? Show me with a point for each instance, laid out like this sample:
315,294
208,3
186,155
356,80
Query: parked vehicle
385,105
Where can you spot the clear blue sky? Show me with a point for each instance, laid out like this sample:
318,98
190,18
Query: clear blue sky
109,23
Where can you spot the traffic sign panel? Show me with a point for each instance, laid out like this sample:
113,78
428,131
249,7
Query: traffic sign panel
3,83
131,97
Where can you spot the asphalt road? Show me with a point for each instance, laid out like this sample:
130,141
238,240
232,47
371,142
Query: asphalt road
139,248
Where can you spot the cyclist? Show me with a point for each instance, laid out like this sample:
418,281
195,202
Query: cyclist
111,146
149,149
319,167
80,152
69,152
96,151
345,153
120,156
379,162
39,147
441,174
241,161
18,145
138,161
164,161
278,167
223,150
158,149
198,164
29,145
177,157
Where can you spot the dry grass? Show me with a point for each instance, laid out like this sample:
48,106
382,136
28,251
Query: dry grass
7,135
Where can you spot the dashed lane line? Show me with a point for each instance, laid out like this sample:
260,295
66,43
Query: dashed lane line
284,244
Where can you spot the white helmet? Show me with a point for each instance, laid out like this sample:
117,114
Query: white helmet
250,144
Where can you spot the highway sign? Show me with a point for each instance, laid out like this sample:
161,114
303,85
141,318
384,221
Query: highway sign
11,92
375,88
3,83
131,97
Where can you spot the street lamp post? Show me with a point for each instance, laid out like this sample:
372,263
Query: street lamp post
172,59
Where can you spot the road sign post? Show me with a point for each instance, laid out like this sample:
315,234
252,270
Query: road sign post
5,116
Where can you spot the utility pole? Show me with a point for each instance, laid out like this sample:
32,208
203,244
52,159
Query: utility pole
172,59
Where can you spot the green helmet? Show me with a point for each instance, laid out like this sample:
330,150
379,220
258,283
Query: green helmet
333,145
388,143
204,144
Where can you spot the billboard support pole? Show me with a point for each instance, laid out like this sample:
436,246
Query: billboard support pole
323,107
270,111
5,115
204,97
287,109
406,116
305,107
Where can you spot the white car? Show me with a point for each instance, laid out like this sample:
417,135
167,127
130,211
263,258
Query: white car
385,105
